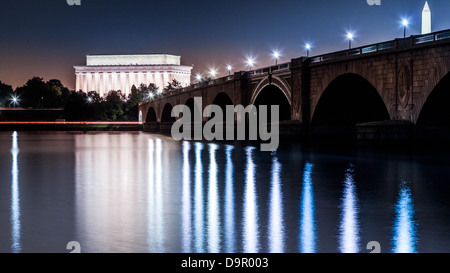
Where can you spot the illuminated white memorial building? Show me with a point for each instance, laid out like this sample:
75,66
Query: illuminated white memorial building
103,73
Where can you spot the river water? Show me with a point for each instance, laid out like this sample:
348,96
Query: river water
140,192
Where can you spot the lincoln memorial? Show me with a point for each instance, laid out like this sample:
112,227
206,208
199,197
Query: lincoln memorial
103,73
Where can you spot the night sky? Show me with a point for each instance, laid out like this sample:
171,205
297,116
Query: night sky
46,38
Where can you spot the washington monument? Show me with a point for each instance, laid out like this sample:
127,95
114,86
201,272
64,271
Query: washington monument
426,19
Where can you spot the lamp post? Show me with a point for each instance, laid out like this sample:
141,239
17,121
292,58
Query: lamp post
308,48
198,77
250,62
14,101
213,73
350,38
229,68
405,24
276,55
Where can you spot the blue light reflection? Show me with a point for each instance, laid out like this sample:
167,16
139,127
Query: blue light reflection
349,227
230,228
16,245
251,235
276,223
307,218
404,230
213,203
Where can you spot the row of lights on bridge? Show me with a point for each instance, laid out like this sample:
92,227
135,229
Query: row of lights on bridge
250,61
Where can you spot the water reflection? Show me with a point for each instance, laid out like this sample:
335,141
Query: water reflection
276,224
115,191
213,203
230,228
349,226
151,193
307,219
148,193
155,197
187,229
404,230
15,198
198,198
251,234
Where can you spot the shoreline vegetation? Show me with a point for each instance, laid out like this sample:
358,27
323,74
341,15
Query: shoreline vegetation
39,98
80,126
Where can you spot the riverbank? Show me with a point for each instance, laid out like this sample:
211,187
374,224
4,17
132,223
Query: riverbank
70,126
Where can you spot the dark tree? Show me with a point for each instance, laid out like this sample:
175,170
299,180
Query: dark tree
6,94
153,90
76,108
171,86
39,94
114,106
132,104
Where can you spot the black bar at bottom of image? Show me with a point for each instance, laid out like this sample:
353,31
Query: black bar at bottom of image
222,262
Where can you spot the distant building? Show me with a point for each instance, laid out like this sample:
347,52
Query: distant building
103,73
426,19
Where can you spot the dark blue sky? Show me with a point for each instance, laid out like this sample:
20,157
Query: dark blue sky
46,38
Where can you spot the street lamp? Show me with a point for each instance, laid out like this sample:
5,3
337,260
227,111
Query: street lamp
404,24
198,77
350,37
250,62
276,55
308,48
14,101
229,68
213,73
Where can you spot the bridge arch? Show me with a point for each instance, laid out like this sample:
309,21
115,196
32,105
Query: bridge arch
166,114
434,118
271,80
348,100
151,115
222,99
272,95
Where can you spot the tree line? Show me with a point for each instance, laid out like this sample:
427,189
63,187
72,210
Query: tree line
80,105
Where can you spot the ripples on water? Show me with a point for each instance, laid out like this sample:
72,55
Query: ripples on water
147,193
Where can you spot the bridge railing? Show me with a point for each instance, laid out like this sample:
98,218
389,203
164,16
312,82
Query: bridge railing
394,44
270,69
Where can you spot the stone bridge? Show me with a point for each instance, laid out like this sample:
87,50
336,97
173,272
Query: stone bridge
397,89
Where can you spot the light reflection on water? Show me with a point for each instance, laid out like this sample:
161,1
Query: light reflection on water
199,230
307,218
155,197
276,223
404,229
251,228
187,228
349,226
144,193
16,246
213,203
230,226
